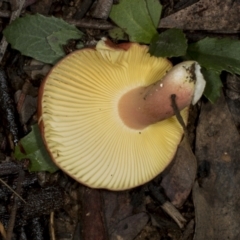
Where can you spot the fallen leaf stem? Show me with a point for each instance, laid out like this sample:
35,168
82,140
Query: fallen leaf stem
177,113
91,23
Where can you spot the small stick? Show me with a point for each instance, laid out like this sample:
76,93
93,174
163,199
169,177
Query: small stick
91,23
52,231
167,206
185,140
170,209
177,113
4,183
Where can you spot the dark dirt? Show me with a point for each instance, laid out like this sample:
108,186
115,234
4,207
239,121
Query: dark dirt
196,197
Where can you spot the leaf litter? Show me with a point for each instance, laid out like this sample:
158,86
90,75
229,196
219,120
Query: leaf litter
207,15
178,195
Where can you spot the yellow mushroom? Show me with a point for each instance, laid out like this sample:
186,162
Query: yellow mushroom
106,116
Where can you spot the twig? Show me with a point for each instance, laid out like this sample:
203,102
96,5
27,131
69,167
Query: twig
91,23
177,113
102,9
174,213
4,183
185,140
15,206
52,231
14,15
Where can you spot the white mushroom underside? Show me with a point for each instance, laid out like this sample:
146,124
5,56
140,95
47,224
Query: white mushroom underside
83,130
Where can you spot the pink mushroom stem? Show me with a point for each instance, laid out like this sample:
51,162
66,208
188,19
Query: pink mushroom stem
143,106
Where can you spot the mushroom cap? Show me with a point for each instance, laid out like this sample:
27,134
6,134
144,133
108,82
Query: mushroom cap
80,123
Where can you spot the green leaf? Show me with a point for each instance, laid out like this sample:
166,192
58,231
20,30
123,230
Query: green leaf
79,45
117,34
213,84
171,43
155,9
57,39
40,37
217,54
32,148
133,17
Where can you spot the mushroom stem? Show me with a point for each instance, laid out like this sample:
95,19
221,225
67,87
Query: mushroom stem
143,106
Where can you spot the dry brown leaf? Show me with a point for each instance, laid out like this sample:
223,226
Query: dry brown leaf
180,175
130,227
216,194
233,97
211,15
117,206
